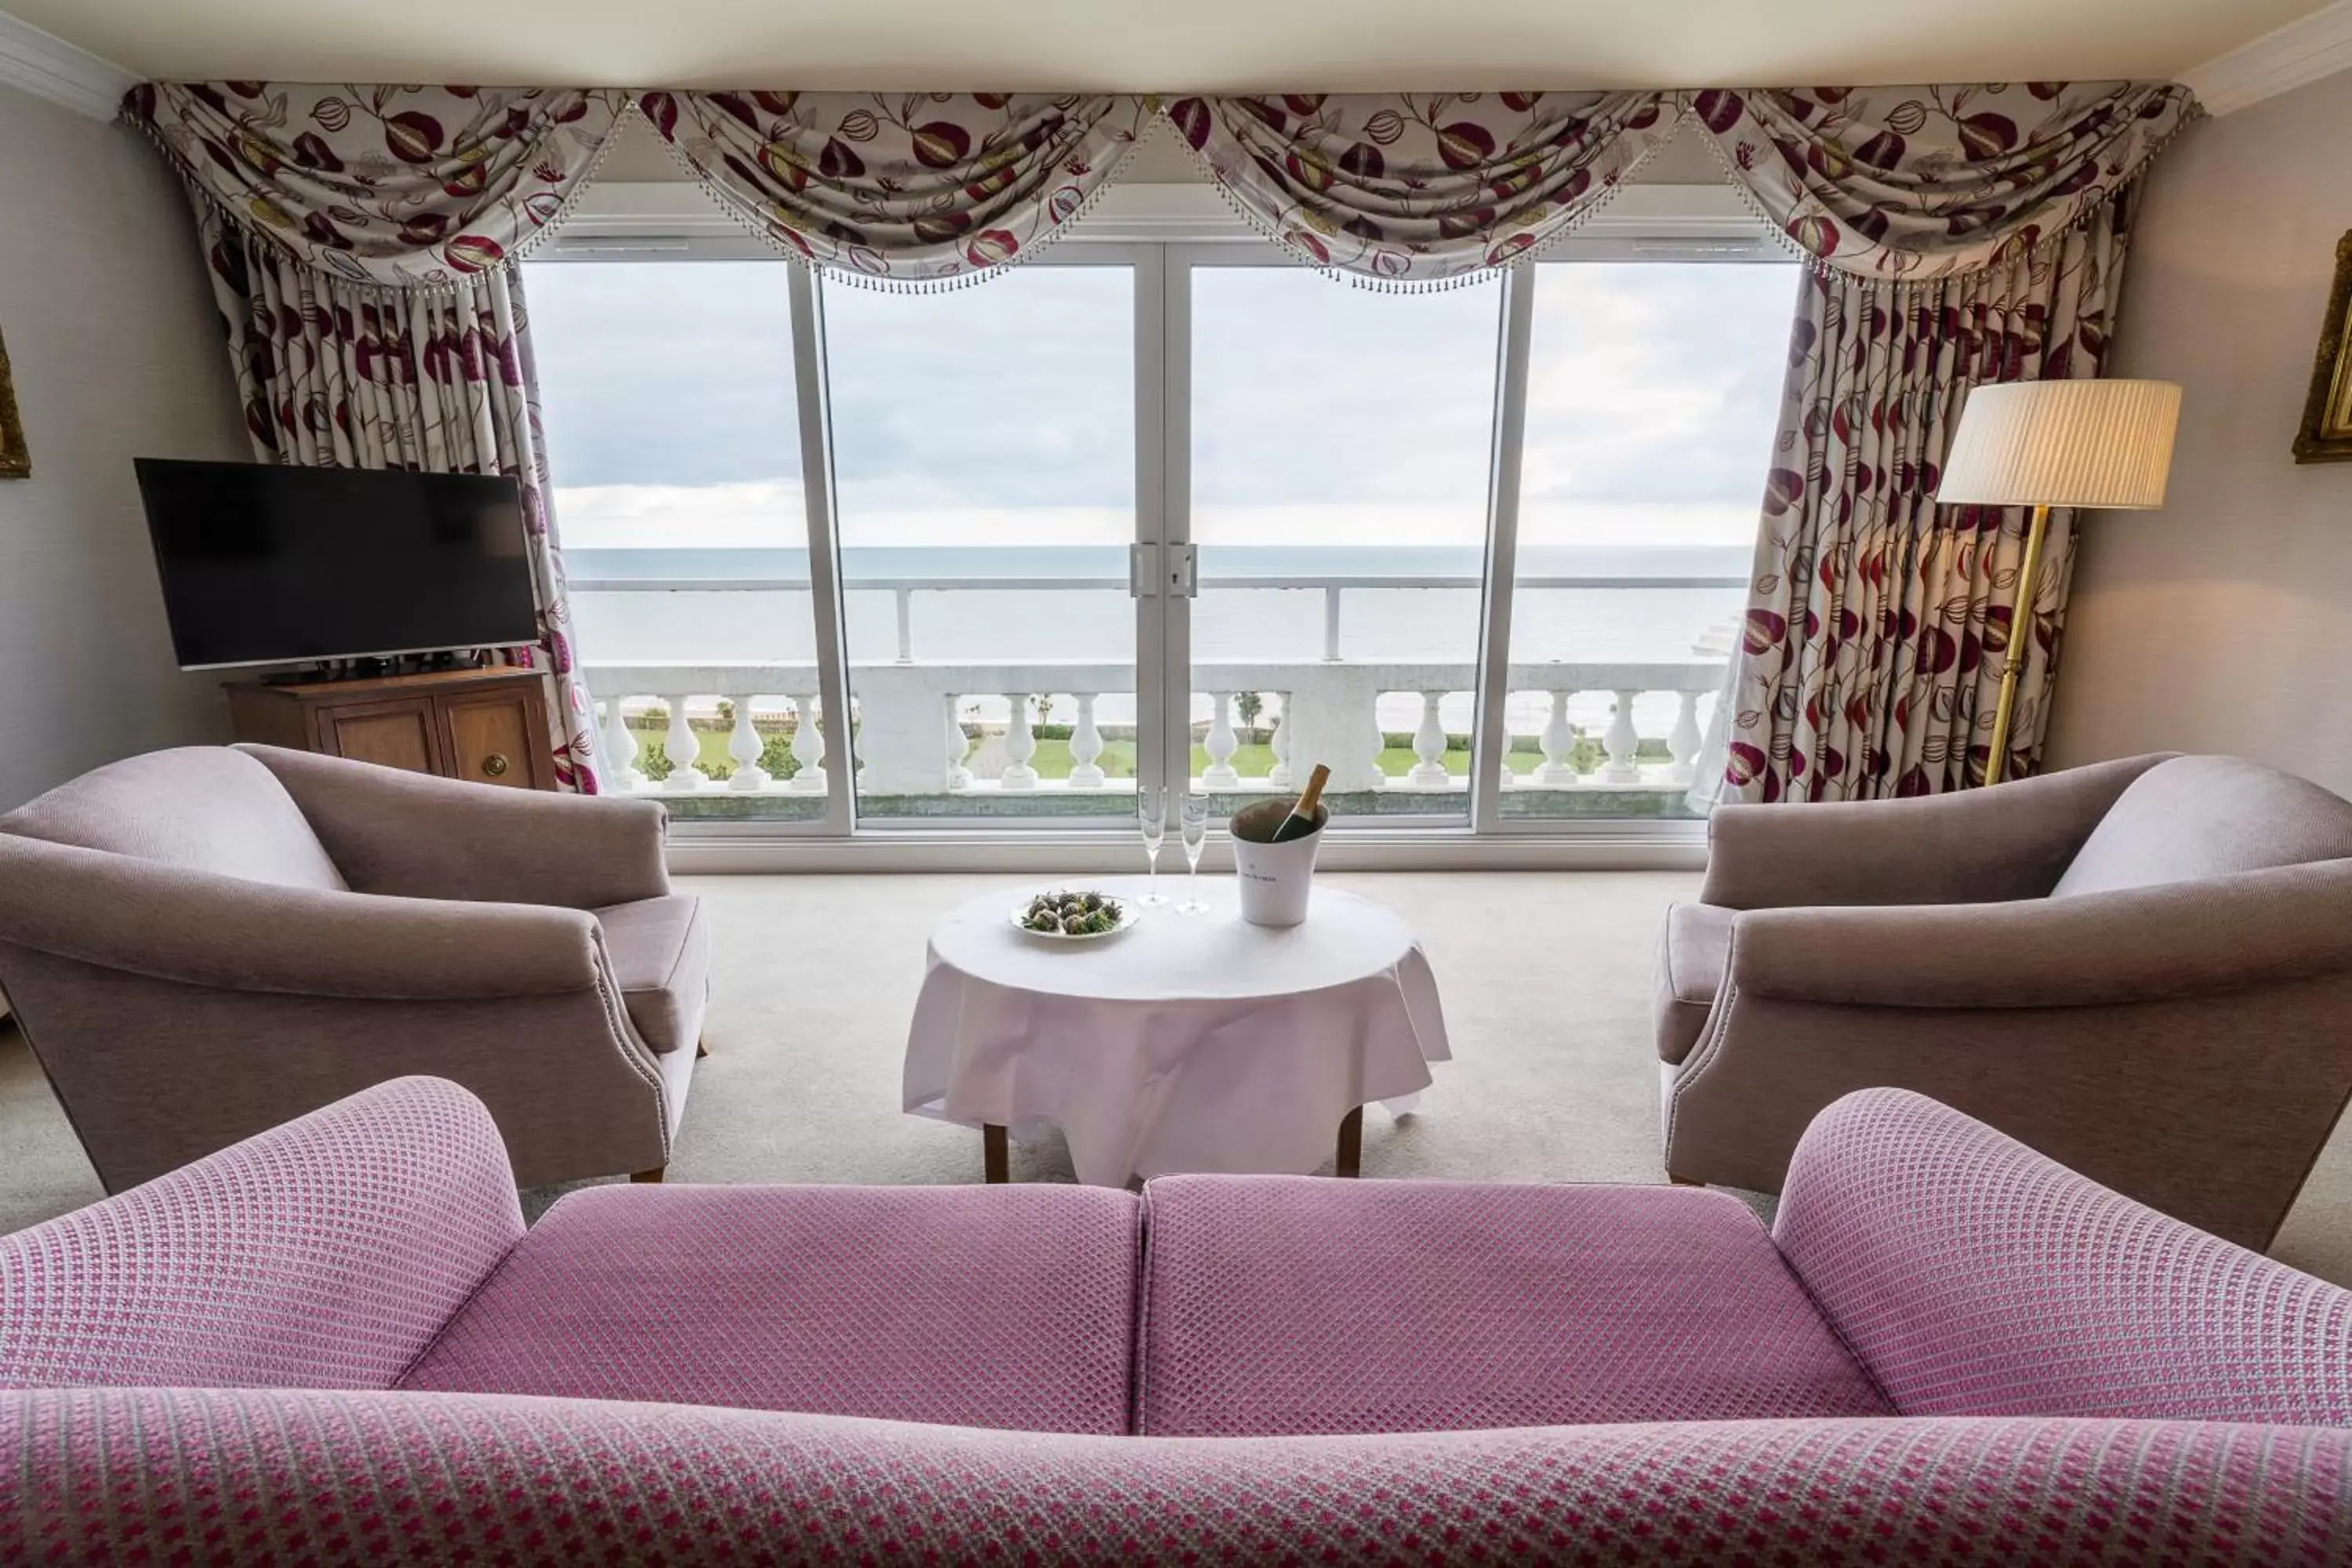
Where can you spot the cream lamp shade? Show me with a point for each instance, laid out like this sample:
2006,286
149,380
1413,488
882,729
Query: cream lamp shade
2064,443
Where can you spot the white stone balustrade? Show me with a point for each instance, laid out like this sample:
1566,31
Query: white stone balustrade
912,739
1220,744
1020,746
911,733
684,751
744,746
1429,746
1086,746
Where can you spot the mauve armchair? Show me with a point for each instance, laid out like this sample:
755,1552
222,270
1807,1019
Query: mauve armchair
2141,968
203,942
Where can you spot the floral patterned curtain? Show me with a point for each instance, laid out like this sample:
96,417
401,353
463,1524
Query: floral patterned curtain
1926,181
1879,622
901,190
1957,235
399,187
1414,190
360,243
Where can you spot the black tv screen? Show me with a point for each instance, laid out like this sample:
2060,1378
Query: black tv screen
265,564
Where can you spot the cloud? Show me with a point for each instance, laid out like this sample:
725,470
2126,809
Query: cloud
665,371
1650,383
1655,381
1016,391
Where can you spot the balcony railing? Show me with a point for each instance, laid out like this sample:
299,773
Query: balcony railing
1641,728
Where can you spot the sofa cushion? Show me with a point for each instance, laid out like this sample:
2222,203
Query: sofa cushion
1692,952
2195,818
660,949
205,807
1009,1307
1284,1305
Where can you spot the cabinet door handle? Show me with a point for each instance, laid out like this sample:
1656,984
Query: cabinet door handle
495,764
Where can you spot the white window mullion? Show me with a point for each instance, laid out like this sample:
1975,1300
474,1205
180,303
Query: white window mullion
823,552
1490,737
1174,730
1155,462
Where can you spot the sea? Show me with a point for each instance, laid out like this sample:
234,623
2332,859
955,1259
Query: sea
1630,606
678,576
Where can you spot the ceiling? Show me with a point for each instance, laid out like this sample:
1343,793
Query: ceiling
1201,44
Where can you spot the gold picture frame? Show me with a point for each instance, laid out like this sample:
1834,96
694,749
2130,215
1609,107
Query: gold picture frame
2326,433
16,462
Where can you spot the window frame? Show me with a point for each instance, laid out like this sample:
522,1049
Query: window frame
1163,232
1149,272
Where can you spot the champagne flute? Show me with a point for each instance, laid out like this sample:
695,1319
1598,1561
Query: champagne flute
1192,824
1151,814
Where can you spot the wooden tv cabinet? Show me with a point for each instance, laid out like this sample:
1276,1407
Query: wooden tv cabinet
487,725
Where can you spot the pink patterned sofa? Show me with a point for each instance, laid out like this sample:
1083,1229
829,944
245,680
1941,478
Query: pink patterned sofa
335,1342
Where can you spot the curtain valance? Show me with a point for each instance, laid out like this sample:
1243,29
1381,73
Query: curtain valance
399,187
1929,182
912,189
1419,189
423,187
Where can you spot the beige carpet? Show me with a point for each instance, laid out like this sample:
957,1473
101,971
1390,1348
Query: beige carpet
1545,980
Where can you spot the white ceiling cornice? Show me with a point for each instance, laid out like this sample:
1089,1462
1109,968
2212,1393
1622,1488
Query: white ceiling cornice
2319,45
50,68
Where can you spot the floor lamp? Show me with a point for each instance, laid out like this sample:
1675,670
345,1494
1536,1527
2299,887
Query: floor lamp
2055,443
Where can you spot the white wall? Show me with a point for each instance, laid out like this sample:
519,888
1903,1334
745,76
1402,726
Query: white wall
2223,623
117,353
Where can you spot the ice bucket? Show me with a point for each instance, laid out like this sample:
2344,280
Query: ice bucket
1276,878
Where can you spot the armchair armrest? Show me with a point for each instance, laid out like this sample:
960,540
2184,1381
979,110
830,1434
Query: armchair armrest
2141,944
171,922
326,1253
389,831
2013,841
1971,1276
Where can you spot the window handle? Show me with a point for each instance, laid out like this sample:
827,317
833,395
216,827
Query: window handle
1154,570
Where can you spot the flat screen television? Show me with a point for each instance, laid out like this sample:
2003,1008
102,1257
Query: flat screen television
267,564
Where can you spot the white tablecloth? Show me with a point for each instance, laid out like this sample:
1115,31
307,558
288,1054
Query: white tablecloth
1189,1043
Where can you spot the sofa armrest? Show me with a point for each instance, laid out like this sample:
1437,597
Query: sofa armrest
326,1253
389,831
105,1474
2142,944
202,929
1973,1276
1983,846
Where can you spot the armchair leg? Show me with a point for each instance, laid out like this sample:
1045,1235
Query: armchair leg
652,1176
701,1049
1682,1181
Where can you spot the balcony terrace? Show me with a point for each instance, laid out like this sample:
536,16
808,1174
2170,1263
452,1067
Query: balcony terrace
1029,737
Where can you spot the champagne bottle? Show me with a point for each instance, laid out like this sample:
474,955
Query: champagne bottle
1301,820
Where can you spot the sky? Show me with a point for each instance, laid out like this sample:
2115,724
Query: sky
1321,412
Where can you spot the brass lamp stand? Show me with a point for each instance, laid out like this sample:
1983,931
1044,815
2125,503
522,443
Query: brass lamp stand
2021,634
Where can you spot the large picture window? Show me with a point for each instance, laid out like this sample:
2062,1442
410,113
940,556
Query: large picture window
1652,392
983,446
1158,511
668,397
1339,453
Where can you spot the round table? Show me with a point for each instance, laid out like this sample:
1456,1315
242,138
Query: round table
1188,1043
